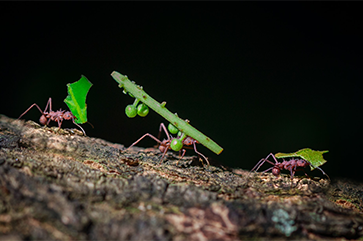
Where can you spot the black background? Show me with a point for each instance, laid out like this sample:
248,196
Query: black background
255,77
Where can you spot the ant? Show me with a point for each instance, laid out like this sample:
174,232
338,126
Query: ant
58,115
290,165
167,144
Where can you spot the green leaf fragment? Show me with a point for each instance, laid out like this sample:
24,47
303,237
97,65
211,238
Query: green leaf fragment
76,99
314,157
160,108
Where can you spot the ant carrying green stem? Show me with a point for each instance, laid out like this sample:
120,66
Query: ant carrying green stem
174,143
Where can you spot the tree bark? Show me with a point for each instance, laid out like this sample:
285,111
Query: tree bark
61,185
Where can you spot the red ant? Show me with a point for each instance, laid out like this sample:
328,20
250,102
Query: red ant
58,115
164,145
290,165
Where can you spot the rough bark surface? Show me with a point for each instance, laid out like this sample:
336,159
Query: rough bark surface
60,185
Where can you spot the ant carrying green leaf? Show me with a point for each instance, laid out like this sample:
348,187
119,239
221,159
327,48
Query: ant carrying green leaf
307,157
174,143
76,102
51,115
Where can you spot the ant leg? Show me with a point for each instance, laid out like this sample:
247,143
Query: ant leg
84,133
153,137
165,130
180,157
268,169
149,135
323,172
49,103
195,149
30,108
162,126
183,154
162,157
59,124
262,161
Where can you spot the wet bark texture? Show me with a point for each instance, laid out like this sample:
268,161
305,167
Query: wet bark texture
64,186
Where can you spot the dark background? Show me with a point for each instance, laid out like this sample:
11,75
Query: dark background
255,77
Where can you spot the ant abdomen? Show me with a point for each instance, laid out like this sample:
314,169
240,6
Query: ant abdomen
275,171
162,148
43,120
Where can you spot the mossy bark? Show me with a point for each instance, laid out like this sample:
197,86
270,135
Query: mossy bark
62,185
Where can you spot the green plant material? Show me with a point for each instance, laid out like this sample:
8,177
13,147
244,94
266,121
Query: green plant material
172,129
314,157
131,111
142,110
76,99
176,144
160,108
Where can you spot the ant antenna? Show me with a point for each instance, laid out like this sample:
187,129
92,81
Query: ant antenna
90,124
320,170
84,133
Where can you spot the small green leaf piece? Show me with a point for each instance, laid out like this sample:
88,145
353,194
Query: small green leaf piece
142,110
130,111
172,129
314,157
176,144
76,99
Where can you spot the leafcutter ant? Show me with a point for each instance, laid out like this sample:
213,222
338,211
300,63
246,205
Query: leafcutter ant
292,165
51,115
175,143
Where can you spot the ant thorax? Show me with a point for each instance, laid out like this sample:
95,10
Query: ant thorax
295,162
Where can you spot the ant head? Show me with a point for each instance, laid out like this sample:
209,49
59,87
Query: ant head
302,163
275,171
188,141
43,120
68,115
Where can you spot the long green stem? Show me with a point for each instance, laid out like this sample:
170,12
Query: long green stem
159,108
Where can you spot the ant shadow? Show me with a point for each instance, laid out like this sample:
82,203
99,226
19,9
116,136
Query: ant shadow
267,182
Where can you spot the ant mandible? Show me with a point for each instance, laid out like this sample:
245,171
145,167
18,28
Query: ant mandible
175,144
290,165
57,116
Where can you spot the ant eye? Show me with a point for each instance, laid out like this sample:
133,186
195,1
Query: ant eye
300,163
